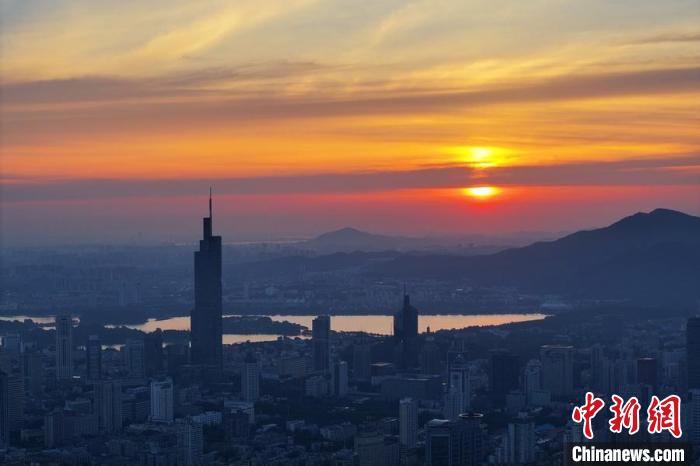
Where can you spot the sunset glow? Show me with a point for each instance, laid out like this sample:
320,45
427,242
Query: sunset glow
481,192
296,100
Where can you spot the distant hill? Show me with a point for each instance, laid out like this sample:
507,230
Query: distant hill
353,240
647,256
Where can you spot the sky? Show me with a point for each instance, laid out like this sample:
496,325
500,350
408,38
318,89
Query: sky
427,117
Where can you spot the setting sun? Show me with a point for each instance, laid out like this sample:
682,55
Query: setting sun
481,192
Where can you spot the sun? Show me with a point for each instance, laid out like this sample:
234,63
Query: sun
481,192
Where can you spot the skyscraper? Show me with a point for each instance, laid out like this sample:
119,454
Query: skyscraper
64,347
134,358
153,353
339,377
321,330
408,422
11,405
93,358
250,379
162,403
458,397
205,321
406,333
503,375
108,405
557,369
692,336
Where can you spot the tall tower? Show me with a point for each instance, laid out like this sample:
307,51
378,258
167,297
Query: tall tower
320,339
458,396
205,320
93,358
406,333
64,347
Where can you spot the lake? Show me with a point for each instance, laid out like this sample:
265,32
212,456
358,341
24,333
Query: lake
377,324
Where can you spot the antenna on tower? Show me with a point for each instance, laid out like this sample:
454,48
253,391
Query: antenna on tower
209,201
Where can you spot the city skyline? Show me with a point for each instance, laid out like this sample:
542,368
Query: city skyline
306,116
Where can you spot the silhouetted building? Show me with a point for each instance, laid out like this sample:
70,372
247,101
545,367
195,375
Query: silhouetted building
64,347
339,379
134,358
162,401
692,336
33,371
108,405
320,339
54,434
93,358
557,369
503,373
250,379
362,361
455,443
154,359
406,334
206,324
430,355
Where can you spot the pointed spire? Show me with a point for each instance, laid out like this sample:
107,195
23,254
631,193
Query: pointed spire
209,201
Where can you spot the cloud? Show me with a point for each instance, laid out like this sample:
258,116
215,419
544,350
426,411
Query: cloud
668,37
681,170
102,104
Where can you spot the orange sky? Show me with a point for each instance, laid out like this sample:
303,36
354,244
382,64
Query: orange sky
578,112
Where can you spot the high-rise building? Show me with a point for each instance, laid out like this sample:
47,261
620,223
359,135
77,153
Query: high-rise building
33,370
320,339
532,376
53,428
458,396
250,379
692,338
206,325
408,422
362,361
11,405
162,402
154,359
455,443
108,405
520,441
340,378
190,442
503,373
64,347
557,369
134,358
93,356
406,334
430,356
